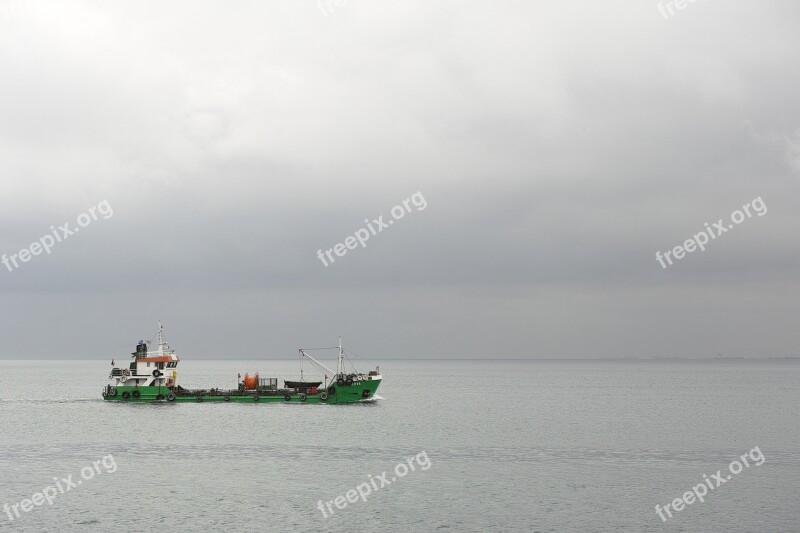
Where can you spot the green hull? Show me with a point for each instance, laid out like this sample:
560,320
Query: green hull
336,394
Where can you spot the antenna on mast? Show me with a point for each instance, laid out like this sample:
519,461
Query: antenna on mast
163,345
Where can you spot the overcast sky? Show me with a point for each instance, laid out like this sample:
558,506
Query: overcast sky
557,145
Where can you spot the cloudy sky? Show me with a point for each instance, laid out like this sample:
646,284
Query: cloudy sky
557,145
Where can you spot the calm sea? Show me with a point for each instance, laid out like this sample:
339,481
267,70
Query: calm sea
494,445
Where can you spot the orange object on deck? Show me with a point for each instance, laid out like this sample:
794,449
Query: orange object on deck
250,382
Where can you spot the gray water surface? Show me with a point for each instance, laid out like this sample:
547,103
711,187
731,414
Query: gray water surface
509,446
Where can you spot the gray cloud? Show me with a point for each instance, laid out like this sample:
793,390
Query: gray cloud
559,146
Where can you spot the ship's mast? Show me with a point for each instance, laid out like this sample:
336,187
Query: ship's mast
161,340
163,345
340,364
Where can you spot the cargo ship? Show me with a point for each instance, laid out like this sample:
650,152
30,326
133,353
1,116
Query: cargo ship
152,376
